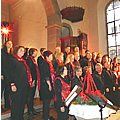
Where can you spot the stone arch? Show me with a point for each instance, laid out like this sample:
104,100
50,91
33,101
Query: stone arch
67,25
53,23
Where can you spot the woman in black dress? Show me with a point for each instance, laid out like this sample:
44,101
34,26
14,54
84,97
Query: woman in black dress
46,83
6,52
35,76
70,66
20,79
62,90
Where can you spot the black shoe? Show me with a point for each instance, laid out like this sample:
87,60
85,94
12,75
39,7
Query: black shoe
36,113
51,118
31,114
2,110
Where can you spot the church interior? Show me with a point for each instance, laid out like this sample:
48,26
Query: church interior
38,23
41,24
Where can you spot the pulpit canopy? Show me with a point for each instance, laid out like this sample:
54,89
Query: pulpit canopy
73,14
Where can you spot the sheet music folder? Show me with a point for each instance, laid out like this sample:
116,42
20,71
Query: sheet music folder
76,90
101,102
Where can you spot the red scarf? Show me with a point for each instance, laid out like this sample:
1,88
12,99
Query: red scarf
73,65
28,69
65,91
38,72
59,62
90,89
51,71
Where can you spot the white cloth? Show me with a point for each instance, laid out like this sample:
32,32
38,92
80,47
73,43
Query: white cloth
89,111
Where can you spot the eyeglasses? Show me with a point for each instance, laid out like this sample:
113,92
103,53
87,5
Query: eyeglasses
22,50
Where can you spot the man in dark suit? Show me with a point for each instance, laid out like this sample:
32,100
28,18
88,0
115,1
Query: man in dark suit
41,58
67,52
108,82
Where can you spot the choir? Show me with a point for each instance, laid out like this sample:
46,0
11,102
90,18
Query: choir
56,75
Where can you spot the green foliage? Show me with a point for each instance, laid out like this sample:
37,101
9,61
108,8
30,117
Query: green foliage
78,100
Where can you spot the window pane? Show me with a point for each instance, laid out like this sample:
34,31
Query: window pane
110,16
118,53
112,52
111,40
116,3
118,38
65,32
117,13
110,28
110,6
117,24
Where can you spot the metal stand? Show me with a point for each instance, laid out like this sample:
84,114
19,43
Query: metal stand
101,108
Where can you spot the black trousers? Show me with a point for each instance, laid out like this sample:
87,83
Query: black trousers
62,115
30,97
4,88
46,109
18,103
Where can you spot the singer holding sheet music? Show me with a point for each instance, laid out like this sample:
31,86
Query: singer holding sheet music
62,90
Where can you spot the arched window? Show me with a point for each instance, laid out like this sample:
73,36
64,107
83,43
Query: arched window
65,31
113,28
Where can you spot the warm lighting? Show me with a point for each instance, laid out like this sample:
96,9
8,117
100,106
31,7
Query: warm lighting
6,30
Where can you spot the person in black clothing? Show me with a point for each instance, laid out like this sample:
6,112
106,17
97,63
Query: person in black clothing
57,50
98,77
66,53
35,76
46,83
93,61
41,57
6,52
76,59
98,59
20,80
62,90
76,49
70,66
26,54
86,61
109,84
77,79
58,61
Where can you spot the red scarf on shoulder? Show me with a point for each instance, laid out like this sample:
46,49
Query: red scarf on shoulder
38,72
59,62
28,69
51,71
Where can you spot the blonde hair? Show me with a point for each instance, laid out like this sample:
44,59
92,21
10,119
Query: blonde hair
76,53
68,58
58,55
98,65
86,68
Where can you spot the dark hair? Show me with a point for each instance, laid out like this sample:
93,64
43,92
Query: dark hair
47,53
5,48
67,46
86,51
76,68
114,58
26,53
114,66
97,57
31,51
16,48
41,50
60,69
